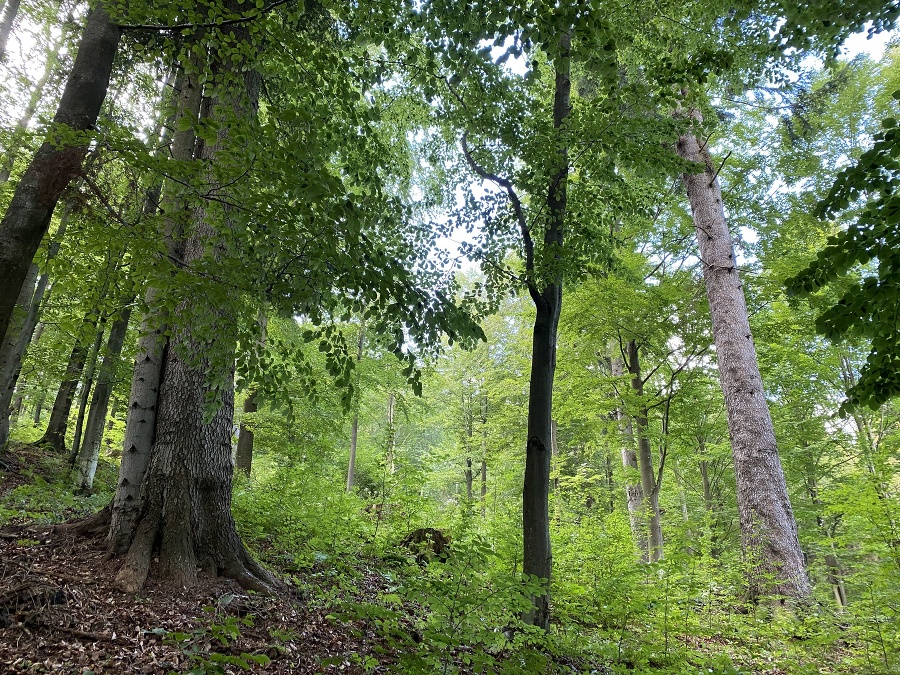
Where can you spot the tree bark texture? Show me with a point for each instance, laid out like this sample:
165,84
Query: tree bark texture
140,424
537,559
54,165
89,454
186,494
768,528
649,486
244,456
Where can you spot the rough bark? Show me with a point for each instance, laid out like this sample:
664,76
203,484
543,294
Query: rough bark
89,454
768,528
140,424
634,493
55,164
186,495
10,12
537,559
649,484
244,455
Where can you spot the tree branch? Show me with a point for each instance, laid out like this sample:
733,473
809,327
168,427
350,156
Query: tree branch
255,14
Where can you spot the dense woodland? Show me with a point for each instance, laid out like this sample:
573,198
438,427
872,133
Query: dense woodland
436,337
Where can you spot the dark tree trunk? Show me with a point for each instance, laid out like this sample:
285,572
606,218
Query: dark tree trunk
54,166
10,11
484,411
768,528
38,409
89,454
244,458
354,425
87,385
55,435
537,559
634,493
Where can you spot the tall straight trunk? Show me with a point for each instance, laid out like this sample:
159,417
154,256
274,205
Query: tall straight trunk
18,336
768,528
634,493
537,559
37,93
469,479
832,566
55,165
8,19
554,455
87,385
649,485
244,456
484,405
354,425
89,453
140,424
186,495
392,434
55,435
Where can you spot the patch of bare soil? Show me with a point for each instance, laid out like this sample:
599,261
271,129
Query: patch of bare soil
60,613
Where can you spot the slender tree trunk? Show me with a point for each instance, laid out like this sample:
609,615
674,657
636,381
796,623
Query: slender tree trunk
354,425
832,565
554,456
649,485
55,435
244,456
186,496
10,11
54,165
768,528
87,385
537,559
634,493
38,408
484,407
93,435
140,424
392,434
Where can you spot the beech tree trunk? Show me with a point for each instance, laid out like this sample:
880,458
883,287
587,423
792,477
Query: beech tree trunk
87,385
140,424
89,454
55,165
244,456
186,495
354,425
537,559
649,484
484,405
768,528
634,493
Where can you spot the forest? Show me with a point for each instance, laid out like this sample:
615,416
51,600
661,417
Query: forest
420,336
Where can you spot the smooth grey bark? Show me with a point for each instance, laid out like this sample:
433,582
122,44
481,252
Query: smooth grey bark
55,164
89,453
244,455
140,424
768,528
187,487
8,19
354,425
634,493
538,559
87,385
18,337
649,481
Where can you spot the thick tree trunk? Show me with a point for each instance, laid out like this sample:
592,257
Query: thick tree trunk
186,496
89,454
10,361
55,165
537,559
140,424
768,528
634,493
87,385
649,486
244,456
10,12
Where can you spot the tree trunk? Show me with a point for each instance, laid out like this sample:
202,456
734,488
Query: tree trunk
55,165
93,435
634,493
87,385
55,435
38,408
537,559
10,11
392,434
11,361
484,404
140,424
186,495
649,485
244,456
768,528
554,456
354,425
